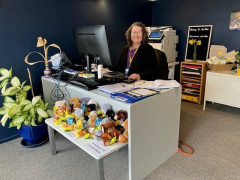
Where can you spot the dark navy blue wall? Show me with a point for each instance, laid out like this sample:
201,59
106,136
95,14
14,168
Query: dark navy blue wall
184,13
23,21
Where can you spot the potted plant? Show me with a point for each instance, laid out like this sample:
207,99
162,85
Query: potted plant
27,115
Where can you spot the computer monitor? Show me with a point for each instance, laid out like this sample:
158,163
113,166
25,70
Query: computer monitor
92,40
155,35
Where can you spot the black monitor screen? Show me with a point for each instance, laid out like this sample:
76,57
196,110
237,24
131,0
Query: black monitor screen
93,41
156,34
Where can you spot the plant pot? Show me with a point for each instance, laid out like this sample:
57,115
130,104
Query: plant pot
34,134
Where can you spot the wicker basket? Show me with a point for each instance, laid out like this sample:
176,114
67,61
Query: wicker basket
220,67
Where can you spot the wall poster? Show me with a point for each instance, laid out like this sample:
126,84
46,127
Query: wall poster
235,21
198,42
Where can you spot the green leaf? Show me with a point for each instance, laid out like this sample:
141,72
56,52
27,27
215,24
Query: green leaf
42,104
4,89
8,99
14,110
36,99
4,119
3,78
39,119
15,82
4,83
10,73
23,93
10,91
4,72
27,121
46,106
27,107
25,102
50,113
9,105
42,113
33,122
32,112
23,84
3,111
17,122
26,88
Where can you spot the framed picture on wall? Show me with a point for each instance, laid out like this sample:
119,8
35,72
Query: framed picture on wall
235,21
198,42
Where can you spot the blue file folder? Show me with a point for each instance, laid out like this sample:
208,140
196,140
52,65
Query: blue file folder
133,95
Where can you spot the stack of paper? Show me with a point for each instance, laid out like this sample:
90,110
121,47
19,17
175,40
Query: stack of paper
157,84
113,88
161,84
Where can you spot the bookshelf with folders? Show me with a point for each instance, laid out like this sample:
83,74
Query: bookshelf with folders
192,79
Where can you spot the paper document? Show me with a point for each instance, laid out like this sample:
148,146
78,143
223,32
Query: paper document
166,84
113,88
157,84
142,92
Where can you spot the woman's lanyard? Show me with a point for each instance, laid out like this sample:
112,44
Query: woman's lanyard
132,56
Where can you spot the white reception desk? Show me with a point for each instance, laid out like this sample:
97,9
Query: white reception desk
153,124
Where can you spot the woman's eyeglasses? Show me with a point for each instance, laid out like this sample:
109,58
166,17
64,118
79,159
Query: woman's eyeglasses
137,32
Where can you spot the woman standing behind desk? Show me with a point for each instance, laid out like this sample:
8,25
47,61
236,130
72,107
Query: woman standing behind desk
138,59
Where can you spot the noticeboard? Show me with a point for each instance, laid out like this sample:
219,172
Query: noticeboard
203,33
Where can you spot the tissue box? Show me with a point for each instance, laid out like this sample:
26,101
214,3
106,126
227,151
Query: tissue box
220,67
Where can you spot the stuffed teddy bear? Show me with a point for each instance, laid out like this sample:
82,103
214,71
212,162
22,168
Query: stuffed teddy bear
120,117
91,106
91,120
59,111
110,113
109,132
74,103
123,138
106,107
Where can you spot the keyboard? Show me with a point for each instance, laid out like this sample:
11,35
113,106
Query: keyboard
87,83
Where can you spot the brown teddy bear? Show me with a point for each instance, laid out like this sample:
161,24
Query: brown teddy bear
59,110
73,104
123,138
120,117
109,132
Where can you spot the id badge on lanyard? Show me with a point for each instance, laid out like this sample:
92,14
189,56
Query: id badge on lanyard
126,71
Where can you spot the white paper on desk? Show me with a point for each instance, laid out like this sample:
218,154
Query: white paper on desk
161,84
145,84
113,88
97,148
157,84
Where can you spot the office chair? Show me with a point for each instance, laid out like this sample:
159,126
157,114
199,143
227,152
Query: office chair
162,65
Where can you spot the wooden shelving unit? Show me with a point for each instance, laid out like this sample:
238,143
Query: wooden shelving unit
192,79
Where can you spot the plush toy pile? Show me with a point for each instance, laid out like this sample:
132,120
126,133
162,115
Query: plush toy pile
88,120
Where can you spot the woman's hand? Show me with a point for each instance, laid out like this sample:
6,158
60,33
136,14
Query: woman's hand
135,76
105,69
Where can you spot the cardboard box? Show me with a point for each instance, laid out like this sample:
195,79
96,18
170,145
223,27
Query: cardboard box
220,67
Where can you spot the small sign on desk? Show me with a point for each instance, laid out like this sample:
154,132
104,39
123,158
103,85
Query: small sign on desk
97,147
